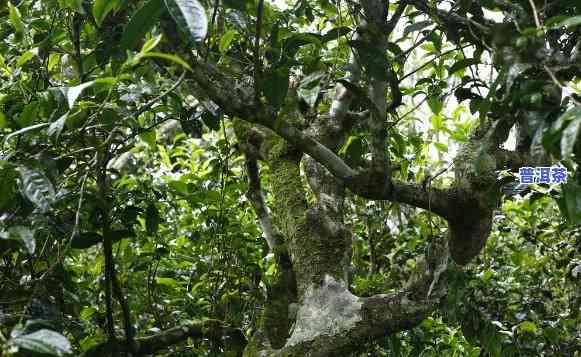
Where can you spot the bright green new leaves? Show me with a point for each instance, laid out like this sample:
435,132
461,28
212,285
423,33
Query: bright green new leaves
27,56
226,41
147,53
141,23
191,18
43,341
167,57
15,19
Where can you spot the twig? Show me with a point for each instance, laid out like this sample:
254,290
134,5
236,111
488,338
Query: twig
148,105
535,14
396,16
554,78
103,203
257,62
431,61
214,13
74,232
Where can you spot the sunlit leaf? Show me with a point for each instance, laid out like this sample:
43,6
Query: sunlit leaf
569,22
56,127
37,188
27,56
168,57
417,27
25,236
73,93
15,18
43,341
190,16
226,40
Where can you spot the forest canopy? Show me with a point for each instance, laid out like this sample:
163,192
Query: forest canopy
290,178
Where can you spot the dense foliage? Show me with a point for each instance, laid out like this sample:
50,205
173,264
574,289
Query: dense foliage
187,178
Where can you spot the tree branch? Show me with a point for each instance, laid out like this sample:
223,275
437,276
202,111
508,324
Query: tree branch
255,196
211,329
343,321
235,102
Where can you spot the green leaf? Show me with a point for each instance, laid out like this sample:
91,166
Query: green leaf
55,128
572,199
226,41
28,115
73,93
152,219
101,8
37,188
76,5
275,86
8,187
24,130
150,138
43,341
310,87
528,326
353,150
335,33
25,236
27,56
417,27
190,16
463,63
150,44
141,23
237,4
569,136
167,282
15,18
295,41
86,240
570,22
441,147
212,121
168,57
435,105
475,352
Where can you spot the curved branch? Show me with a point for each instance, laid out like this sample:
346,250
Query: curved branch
237,103
211,329
331,321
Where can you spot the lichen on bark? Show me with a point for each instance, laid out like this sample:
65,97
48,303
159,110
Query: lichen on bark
326,309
